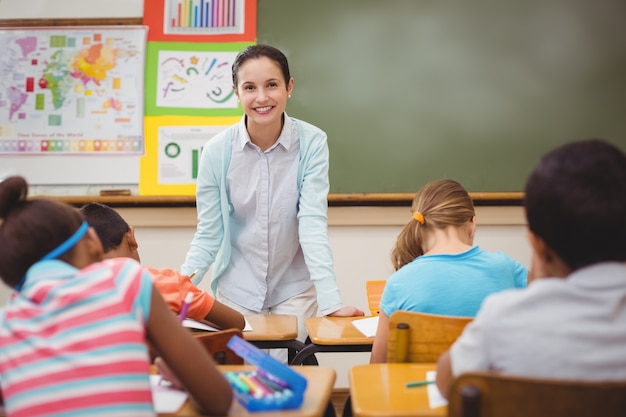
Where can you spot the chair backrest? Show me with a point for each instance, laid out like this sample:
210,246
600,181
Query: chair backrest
486,394
374,290
429,335
216,344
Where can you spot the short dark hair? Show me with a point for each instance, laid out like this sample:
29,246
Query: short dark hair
107,223
575,200
258,51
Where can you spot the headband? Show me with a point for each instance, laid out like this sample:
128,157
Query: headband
61,249
419,217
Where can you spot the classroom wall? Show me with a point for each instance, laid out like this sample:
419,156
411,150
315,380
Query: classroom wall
361,239
47,9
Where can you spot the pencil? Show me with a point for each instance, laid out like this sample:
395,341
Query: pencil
193,274
183,310
418,383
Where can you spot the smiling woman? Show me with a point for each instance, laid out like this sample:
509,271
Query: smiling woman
251,188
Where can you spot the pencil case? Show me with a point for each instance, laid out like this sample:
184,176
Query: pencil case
272,386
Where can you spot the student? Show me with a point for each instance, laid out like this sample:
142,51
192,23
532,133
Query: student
72,336
570,323
262,192
118,240
439,270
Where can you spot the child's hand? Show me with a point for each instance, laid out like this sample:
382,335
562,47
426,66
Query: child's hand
347,312
167,374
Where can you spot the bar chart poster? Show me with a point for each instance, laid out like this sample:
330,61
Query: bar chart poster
191,79
201,20
173,148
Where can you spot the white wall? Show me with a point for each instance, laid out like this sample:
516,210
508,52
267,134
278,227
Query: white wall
46,9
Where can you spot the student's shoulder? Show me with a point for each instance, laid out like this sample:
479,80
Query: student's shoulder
169,274
511,302
499,256
116,269
115,264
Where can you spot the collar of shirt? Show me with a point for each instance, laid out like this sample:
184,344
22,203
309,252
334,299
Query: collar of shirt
285,139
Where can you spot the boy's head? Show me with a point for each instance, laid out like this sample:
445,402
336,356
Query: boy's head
575,202
118,238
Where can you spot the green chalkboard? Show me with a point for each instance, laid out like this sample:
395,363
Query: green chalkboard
414,90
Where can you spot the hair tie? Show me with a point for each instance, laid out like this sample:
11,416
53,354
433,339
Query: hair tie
419,217
60,250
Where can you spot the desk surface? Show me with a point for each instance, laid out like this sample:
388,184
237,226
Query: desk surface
271,327
379,390
320,382
335,331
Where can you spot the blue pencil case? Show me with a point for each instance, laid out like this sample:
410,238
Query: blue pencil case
272,386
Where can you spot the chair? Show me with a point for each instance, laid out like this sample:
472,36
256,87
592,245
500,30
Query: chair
429,335
216,344
374,290
487,394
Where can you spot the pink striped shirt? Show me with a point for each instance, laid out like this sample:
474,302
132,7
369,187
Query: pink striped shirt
72,342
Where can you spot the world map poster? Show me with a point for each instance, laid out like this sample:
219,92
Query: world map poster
72,90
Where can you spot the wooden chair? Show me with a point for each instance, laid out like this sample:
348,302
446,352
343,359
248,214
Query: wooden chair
485,394
429,335
374,290
216,344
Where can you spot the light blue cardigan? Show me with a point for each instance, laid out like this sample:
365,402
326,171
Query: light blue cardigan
211,243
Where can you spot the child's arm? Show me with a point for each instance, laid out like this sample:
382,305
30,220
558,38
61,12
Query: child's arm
444,377
209,391
379,348
225,317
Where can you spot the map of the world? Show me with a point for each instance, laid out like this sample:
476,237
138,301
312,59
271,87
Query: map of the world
72,90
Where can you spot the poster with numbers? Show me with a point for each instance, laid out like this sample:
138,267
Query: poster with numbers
72,90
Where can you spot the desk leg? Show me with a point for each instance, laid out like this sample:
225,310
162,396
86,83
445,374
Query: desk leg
293,349
306,356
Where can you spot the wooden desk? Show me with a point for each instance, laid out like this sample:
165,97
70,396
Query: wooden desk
379,390
331,334
274,331
320,382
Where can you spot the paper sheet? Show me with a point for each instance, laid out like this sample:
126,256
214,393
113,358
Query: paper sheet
367,326
193,324
435,399
165,398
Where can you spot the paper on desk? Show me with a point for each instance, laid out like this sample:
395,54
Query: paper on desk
435,399
367,326
165,398
194,324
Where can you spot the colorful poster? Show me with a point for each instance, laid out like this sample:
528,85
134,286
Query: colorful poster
170,165
72,90
191,79
201,20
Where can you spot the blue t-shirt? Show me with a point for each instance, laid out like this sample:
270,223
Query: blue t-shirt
451,284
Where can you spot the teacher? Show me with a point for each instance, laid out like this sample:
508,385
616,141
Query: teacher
262,200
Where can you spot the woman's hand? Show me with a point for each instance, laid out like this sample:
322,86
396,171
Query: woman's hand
347,312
